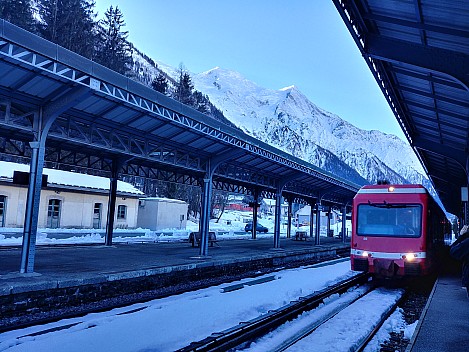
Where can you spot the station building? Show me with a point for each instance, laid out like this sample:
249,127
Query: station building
68,200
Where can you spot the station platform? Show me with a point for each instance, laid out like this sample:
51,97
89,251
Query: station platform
74,275
444,323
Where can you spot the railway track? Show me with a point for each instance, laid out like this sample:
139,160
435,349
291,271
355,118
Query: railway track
326,333
251,330
306,318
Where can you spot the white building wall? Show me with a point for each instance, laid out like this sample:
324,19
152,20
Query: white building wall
15,205
76,208
162,213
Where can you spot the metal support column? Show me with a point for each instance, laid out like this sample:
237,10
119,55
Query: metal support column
290,206
204,225
32,207
328,227
254,214
344,223
318,224
278,204
465,201
42,122
111,209
311,222
466,213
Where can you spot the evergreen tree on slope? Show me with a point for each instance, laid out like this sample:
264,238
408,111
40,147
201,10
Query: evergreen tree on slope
18,12
184,88
69,23
201,102
113,49
160,83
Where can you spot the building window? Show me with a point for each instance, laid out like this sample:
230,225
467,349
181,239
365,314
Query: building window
53,214
97,215
3,205
122,212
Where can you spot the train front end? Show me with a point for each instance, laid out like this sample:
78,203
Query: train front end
388,230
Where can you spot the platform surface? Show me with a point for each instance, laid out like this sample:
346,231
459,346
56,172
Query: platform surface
444,324
65,266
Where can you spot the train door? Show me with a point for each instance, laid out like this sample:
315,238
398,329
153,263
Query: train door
53,214
3,203
97,211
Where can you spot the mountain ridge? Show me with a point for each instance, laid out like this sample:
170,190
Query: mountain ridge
288,120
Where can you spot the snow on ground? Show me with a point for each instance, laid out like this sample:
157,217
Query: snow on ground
170,323
350,325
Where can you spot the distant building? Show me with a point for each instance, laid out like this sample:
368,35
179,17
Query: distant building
162,213
303,217
236,202
268,207
68,200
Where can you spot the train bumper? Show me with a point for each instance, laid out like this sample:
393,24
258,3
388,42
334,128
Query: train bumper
385,267
393,267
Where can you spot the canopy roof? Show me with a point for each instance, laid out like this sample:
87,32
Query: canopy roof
418,52
97,116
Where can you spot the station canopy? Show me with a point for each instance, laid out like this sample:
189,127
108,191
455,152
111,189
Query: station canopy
418,52
97,118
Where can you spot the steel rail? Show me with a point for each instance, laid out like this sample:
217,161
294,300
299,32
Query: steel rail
366,340
361,344
312,327
246,331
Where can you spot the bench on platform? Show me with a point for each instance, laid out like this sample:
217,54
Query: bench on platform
301,235
195,237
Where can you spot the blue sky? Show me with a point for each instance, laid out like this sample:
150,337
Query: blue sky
275,43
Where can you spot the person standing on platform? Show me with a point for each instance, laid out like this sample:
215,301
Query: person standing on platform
460,250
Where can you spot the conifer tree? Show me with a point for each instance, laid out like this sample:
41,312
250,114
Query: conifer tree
69,23
201,102
113,50
18,12
160,83
184,88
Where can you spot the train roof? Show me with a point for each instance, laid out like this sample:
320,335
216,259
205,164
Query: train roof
408,188
392,185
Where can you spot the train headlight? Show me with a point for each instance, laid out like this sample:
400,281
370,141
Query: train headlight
366,254
409,256
391,189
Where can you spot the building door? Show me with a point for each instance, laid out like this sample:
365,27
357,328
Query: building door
97,215
53,214
3,205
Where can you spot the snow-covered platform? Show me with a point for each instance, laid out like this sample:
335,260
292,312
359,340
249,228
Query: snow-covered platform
444,324
86,273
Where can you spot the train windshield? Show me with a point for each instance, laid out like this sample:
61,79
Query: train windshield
390,220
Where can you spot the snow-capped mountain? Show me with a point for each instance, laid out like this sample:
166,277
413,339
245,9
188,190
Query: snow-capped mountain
286,119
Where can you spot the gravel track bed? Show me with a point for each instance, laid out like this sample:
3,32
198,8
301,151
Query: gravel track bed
413,305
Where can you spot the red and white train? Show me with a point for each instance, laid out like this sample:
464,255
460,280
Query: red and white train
397,230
